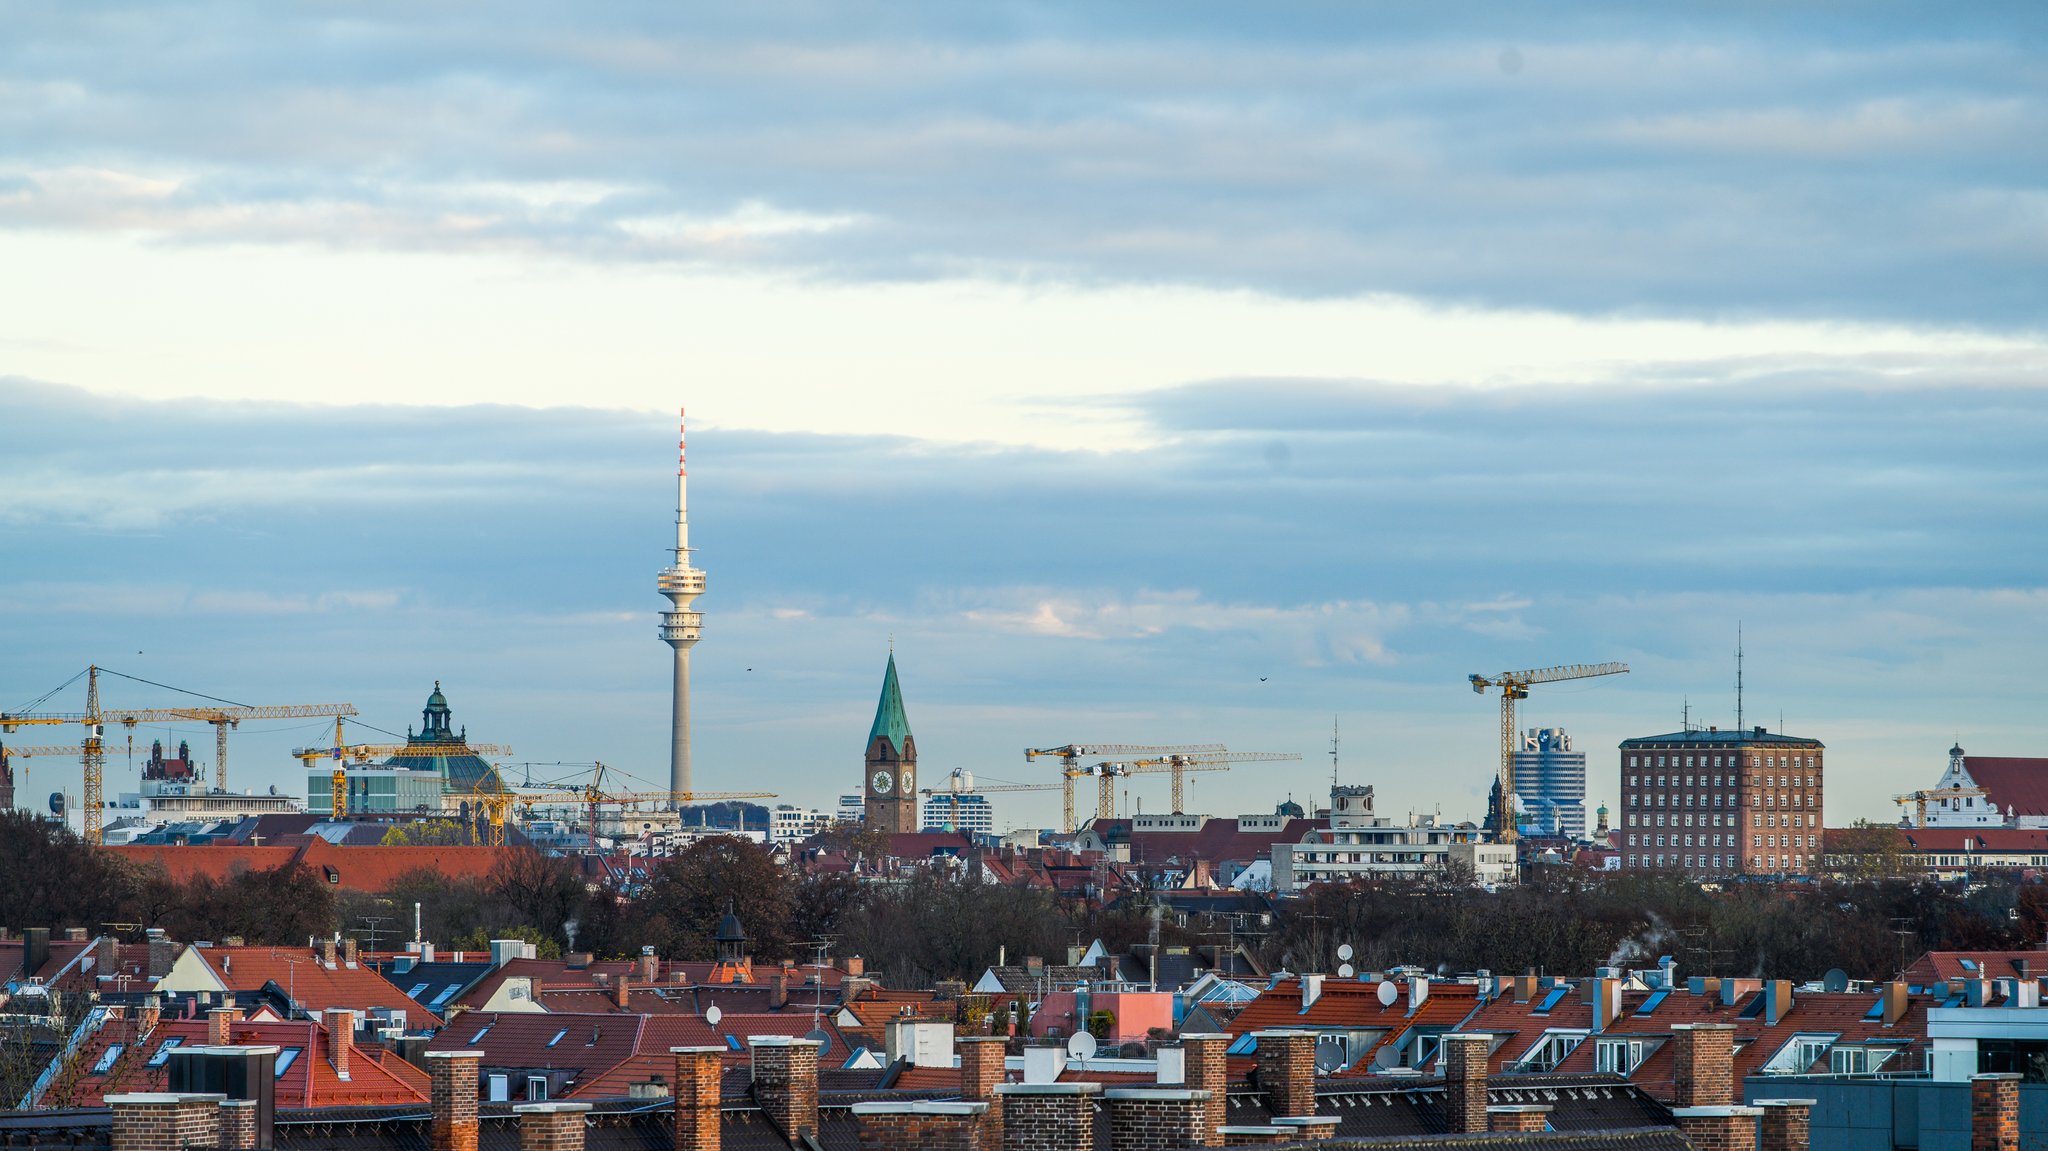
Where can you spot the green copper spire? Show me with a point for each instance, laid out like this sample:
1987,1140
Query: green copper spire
889,718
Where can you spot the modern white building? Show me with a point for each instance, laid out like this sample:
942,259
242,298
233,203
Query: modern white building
788,823
1360,844
959,811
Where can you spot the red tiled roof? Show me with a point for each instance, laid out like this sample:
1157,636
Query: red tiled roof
1938,966
308,982
375,1076
352,868
2016,783
1351,1003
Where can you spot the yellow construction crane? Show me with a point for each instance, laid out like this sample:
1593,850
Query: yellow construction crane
1070,768
93,749
1515,685
593,794
1919,799
1181,765
343,752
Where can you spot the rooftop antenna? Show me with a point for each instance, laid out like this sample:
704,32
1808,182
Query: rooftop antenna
1685,714
1738,676
1333,753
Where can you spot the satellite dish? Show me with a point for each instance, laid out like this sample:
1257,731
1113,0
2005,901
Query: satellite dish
821,1037
1344,951
1346,971
1835,980
712,1015
1081,1046
1388,993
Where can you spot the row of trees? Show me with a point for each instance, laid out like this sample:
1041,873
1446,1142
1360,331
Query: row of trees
937,926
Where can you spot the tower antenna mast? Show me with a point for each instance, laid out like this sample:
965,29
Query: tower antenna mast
1738,677
1333,752
681,627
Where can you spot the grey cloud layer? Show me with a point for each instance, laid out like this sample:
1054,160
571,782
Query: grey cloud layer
1741,160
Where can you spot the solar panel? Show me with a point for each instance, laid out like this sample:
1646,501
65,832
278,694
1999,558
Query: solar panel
1655,1001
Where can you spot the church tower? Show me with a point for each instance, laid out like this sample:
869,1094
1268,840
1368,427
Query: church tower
891,784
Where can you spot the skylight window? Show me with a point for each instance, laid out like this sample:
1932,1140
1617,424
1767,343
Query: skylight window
481,1032
163,1052
1655,1001
416,989
1969,964
447,993
558,1037
285,1059
1551,1000
733,1041
1245,1044
1876,1009
108,1057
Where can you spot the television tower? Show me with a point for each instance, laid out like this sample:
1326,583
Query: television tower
681,627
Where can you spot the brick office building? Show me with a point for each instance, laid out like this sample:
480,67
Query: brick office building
1722,802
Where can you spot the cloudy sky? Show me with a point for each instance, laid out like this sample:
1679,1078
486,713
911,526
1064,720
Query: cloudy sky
1156,373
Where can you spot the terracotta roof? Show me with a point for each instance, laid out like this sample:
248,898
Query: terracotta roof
2014,782
306,981
1939,966
1354,1004
352,868
375,1076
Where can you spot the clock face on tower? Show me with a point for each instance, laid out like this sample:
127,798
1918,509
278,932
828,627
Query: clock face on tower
880,782
909,782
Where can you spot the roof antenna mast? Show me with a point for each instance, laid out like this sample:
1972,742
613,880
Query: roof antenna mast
1738,676
1333,753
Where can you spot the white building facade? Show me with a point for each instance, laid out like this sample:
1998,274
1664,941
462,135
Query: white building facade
1360,844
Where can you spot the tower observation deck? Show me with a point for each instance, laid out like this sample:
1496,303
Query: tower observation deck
681,627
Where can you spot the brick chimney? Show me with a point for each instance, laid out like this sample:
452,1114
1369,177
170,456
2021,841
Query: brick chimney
341,1031
1787,1125
1718,1128
453,1125
351,953
785,1083
238,1124
921,1126
622,992
855,965
650,965
1463,1057
150,1014
164,1121
1702,1064
1202,1067
219,1026
162,953
698,1070
1287,1071
981,1069
1048,1116
551,1126
106,955
1994,1112
778,989
1143,1118
327,952
1519,1119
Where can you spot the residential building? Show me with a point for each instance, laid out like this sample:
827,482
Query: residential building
1716,802
1550,783
1360,844
966,812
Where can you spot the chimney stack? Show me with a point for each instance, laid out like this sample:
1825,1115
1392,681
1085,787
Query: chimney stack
150,1015
921,1125
1603,994
327,953
622,992
1146,1117
855,965
1311,990
1202,1067
551,1126
1718,1128
650,965
1995,1112
351,953
164,1121
778,989
1895,1001
698,1070
162,953
981,1070
219,1026
1777,1001
1463,1056
453,1124
238,1124
1287,1071
1519,1119
1702,1064
341,1032
785,1083
1038,1116
1786,1125
106,956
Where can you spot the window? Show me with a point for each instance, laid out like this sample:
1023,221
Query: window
163,1052
1857,1060
107,1058
1799,1053
558,1036
1551,1000
1618,1056
1551,1050
417,990
480,1033
447,993
285,1059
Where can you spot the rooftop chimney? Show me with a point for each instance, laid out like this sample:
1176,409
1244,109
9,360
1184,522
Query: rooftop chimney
106,956
1787,1125
453,1124
327,953
786,1083
1049,1115
551,1126
1777,1000
219,1026
351,953
698,1071
650,965
1603,995
1287,1071
1203,1066
1311,990
162,953
1895,1001
1464,1057
1703,1064
164,1121
1418,992
1995,1112
341,1032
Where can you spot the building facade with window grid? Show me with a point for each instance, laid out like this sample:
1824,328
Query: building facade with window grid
1716,802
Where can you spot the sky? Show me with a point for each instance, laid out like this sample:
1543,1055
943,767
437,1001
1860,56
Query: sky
1151,373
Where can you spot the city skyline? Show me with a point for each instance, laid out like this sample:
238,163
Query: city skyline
1149,378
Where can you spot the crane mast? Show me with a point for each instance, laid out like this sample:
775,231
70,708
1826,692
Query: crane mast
1515,685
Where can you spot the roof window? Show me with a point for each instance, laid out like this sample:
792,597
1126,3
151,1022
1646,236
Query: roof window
285,1059
1655,1001
558,1037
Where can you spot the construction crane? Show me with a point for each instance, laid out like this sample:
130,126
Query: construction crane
1918,799
341,751
1181,765
1070,757
959,783
593,794
93,748
1515,685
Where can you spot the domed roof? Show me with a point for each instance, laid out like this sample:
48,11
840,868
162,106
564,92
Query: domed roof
437,701
729,929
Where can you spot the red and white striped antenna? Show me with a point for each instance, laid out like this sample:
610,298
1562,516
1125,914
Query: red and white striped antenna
680,469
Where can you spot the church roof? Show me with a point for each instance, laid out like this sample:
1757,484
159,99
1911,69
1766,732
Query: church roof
889,718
